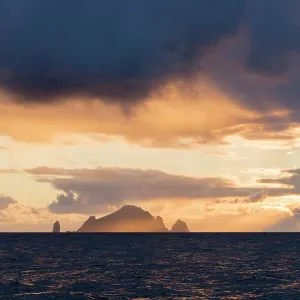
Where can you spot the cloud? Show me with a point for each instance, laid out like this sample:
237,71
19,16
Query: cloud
287,183
274,33
118,51
95,190
15,216
8,171
6,201
291,223
260,68
134,54
176,118
289,178
258,196
255,197
121,52
102,191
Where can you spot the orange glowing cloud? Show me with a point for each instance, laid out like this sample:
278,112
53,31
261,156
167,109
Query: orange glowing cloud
177,115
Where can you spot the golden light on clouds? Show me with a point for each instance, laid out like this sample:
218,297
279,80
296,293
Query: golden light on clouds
198,111
180,115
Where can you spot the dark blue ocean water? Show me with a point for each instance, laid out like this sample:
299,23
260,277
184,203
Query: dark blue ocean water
149,266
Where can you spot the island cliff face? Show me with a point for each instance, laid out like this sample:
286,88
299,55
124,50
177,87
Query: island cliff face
127,219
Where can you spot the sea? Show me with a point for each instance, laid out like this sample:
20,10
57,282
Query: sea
149,266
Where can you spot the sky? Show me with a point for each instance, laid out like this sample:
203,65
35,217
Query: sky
189,110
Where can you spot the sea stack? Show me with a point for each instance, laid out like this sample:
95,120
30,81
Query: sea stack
56,227
159,225
180,226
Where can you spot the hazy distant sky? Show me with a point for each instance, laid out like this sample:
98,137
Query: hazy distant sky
189,109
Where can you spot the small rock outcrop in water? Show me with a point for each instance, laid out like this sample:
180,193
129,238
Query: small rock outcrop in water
180,226
130,219
56,227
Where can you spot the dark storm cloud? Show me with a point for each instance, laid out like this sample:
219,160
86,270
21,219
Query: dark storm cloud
260,67
94,190
113,49
274,32
120,51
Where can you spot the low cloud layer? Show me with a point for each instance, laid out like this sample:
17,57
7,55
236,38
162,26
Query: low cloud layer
19,217
165,121
255,197
100,191
290,223
95,190
289,179
6,201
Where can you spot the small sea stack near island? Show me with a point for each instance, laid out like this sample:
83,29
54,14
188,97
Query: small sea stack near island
56,227
180,226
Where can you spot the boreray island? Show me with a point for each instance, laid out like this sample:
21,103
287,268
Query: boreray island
130,218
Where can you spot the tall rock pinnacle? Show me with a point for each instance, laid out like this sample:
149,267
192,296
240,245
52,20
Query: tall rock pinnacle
56,227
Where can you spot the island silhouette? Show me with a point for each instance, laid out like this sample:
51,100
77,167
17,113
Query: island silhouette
56,227
130,218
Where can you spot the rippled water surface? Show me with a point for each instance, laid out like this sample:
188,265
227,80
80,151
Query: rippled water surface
149,266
